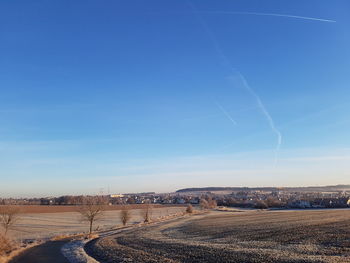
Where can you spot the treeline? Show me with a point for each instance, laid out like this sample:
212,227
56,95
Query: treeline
270,202
274,202
61,200
289,189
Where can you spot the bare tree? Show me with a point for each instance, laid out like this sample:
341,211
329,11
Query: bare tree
147,213
92,210
212,203
125,215
203,204
189,209
273,202
8,217
6,246
260,204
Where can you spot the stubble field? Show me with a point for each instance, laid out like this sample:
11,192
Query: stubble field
251,236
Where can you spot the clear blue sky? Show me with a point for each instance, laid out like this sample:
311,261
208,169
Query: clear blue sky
158,95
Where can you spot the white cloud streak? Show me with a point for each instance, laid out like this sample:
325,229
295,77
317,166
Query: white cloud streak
271,14
234,73
226,113
266,113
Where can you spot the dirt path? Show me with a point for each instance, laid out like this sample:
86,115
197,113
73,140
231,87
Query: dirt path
49,252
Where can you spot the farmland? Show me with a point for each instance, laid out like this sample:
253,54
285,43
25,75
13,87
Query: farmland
45,222
34,209
250,236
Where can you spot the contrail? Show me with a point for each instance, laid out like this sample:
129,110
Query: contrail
265,113
226,113
270,14
234,72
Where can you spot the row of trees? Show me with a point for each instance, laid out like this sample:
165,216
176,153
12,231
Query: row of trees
91,211
266,203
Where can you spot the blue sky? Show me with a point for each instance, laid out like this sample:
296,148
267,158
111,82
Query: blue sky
158,95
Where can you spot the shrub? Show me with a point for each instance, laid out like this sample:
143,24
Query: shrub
6,246
189,209
212,203
261,205
207,203
273,202
203,204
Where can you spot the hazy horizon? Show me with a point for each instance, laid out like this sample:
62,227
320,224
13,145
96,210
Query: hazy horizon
156,96
106,191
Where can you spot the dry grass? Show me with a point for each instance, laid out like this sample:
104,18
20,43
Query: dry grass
255,236
10,248
67,236
6,246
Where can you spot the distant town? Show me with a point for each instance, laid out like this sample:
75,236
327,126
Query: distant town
244,197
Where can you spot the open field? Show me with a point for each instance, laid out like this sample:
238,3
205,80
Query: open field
31,209
250,236
58,221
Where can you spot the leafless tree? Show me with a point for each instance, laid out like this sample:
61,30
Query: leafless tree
92,210
207,203
203,204
260,204
189,209
125,215
9,215
147,213
273,202
212,203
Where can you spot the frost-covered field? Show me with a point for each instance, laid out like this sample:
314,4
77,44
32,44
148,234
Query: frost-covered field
250,237
48,225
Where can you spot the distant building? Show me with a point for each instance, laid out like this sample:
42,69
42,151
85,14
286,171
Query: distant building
194,201
46,201
180,201
116,196
167,201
